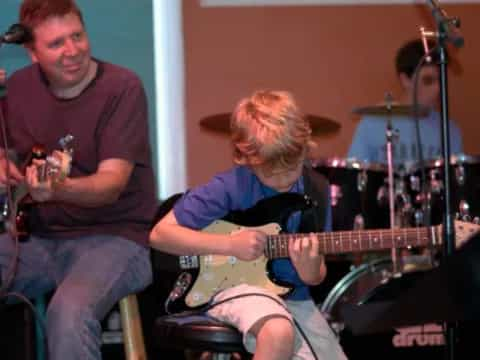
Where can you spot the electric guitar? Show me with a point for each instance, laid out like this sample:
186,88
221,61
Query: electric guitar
56,167
206,275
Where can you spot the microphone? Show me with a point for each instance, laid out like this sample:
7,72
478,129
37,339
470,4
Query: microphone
450,25
16,34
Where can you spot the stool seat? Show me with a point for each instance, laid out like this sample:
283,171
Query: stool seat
195,331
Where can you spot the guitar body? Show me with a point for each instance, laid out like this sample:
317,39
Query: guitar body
22,220
22,203
219,272
206,275
56,167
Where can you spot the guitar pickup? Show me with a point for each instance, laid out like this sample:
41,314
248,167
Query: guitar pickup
188,262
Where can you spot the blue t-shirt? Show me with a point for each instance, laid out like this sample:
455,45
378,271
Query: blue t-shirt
240,189
369,141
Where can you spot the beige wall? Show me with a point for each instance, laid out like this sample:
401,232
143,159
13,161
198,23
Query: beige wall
332,58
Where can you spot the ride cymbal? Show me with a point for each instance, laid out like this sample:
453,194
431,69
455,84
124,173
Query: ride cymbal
392,109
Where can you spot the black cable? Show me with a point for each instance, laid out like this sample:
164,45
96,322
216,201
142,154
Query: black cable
211,305
10,216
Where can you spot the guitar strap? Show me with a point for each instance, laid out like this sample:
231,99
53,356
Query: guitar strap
317,188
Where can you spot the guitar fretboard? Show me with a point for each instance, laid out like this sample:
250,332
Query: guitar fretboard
356,241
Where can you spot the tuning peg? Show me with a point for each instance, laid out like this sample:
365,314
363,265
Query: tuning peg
476,220
65,142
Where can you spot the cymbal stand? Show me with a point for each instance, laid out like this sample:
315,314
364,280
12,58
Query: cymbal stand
390,137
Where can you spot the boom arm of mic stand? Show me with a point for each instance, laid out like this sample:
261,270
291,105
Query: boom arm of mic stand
448,27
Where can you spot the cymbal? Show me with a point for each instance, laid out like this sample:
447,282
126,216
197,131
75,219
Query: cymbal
392,109
321,126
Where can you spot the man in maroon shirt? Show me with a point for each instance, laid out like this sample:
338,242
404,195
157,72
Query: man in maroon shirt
89,230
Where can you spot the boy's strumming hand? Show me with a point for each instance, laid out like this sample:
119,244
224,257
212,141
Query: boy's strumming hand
247,244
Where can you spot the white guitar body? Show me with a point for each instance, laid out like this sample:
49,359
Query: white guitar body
219,272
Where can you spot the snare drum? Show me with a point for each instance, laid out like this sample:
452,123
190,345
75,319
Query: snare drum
355,188
464,185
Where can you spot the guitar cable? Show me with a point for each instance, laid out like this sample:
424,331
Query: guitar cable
211,305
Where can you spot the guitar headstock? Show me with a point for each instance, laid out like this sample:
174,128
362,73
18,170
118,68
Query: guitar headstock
464,231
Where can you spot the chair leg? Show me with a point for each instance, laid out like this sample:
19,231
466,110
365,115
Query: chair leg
132,329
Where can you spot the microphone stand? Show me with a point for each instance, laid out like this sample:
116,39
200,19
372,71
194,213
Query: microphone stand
447,31
448,226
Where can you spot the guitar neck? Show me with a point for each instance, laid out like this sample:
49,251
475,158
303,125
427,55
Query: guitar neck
339,242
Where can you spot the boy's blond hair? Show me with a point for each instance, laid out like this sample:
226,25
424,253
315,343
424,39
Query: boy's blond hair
269,130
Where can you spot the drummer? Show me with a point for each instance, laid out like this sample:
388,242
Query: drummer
369,141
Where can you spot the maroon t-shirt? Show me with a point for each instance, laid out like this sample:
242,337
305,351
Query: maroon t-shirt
108,120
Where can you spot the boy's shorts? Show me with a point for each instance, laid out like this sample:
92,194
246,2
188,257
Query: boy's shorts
243,313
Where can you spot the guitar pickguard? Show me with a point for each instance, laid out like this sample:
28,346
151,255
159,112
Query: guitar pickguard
219,272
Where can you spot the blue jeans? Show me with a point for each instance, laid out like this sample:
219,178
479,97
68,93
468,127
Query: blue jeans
90,275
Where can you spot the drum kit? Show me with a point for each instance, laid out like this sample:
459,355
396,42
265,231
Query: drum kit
364,195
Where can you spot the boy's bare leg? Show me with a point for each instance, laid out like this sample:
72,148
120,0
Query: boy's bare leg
275,339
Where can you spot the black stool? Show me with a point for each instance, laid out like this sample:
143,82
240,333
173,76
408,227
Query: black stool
197,332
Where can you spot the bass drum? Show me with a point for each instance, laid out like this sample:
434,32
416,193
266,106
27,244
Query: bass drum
371,282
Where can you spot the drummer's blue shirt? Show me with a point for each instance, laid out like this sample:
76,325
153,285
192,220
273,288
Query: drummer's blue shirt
369,141
239,189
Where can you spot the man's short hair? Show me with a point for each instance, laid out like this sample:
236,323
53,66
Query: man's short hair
34,12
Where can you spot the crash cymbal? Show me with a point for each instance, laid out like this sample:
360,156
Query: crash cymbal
321,126
392,109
